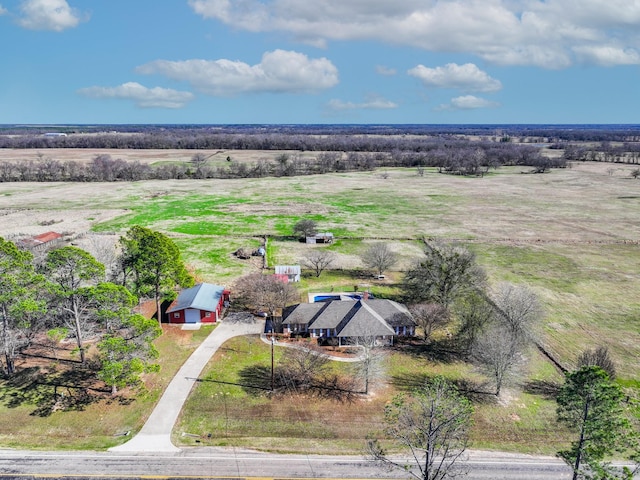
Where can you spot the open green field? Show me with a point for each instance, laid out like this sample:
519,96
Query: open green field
571,235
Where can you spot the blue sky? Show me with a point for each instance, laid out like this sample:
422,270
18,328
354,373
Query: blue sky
320,61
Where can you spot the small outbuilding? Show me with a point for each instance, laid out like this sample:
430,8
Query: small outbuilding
202,303
42,242
325,237
293,272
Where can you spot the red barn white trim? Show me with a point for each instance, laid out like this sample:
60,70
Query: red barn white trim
202,303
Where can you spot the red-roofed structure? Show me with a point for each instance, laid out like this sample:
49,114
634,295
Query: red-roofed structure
42,241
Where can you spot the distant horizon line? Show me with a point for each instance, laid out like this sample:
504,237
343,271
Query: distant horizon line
471,125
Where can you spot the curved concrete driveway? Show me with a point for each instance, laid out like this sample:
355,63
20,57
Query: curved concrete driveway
155,435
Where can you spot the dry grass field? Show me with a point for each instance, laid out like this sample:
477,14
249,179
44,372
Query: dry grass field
571,235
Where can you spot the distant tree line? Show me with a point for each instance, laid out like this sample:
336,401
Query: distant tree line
461,158
626,152
525,133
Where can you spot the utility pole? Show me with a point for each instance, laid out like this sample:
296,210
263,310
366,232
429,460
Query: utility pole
272,362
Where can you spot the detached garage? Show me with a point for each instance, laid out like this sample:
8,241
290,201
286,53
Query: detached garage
200,304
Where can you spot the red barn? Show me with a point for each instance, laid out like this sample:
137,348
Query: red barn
202,303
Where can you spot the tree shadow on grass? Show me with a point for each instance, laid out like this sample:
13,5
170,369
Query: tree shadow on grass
254,380
447,350
70,390
257,380
476,392
545,388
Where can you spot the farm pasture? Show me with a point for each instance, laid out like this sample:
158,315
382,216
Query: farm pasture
571,235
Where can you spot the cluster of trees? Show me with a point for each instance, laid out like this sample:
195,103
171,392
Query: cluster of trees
66,294
348,153
197,136
491,327
433,424
494,329
603,152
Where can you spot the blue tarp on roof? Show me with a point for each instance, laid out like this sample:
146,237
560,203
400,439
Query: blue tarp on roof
204,296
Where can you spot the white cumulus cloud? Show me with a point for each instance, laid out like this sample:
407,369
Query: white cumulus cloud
144,97
373,103
55,15
608,55
467,77
468,102
3,10
546,33
279,71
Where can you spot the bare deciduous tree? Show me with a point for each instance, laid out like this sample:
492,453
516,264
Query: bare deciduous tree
433,424
429,317
598,357
498,353
103,248
371,367
516,316
267,293
302,367
199,160
318,260
519,309
447,272
379,257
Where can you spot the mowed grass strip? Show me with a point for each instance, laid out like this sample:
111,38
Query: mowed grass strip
231,407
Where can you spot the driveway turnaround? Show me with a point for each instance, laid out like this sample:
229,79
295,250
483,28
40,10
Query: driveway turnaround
155,435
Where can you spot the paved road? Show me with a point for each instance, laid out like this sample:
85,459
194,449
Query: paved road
208,462
155,435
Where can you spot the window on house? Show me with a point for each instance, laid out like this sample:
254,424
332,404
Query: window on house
208,314
176,315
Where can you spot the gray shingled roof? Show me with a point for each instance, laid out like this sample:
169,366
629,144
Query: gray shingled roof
204,296
365,322
332,314
302,314
395,314
351,318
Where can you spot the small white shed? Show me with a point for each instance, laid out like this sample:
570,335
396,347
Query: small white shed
291,271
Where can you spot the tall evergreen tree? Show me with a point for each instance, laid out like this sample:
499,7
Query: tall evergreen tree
74,271
594,407
155,263
20,302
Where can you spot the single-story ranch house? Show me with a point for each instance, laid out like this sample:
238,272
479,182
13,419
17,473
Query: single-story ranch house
202,303
348,320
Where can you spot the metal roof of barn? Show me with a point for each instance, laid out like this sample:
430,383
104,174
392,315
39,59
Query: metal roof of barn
204,296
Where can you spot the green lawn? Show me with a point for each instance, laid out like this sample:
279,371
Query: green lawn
570,235
226,408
